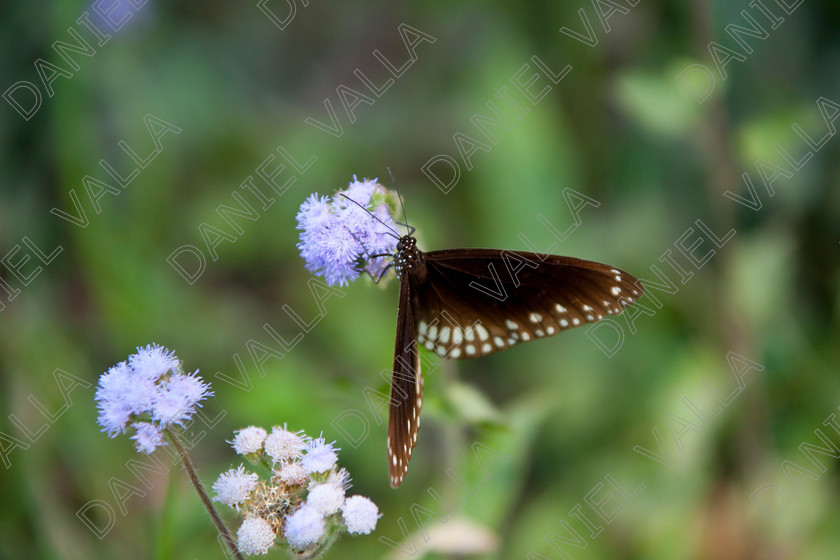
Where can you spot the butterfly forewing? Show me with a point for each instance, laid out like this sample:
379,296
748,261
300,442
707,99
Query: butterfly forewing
473,302
406,391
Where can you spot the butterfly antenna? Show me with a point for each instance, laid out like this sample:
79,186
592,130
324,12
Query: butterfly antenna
372,215
405,217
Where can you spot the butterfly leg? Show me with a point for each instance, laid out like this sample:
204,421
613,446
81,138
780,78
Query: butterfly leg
381,274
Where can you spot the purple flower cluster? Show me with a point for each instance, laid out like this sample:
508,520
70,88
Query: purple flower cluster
343,233
149,392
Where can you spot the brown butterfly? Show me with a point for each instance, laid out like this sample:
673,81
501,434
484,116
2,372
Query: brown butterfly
466,303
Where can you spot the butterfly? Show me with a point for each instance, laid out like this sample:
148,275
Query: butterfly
467,303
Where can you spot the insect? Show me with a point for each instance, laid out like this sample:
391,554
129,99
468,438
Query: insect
467,303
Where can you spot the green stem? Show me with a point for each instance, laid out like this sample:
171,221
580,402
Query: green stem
205,499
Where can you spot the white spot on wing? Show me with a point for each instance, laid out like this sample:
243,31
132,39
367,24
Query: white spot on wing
444,335
457,336
486,347
470,350
535,317
511,325
469,334
482,332
616,290
559,308
433,332
455,353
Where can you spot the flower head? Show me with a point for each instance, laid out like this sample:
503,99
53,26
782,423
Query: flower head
235,486
304,527
293,474
152,362
255,536
177,398
360,514
283,445
342,233
149,392
326,498
320,456
248,440
147,438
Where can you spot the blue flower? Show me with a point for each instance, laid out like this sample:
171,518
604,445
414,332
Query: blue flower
150,392
341,234
152,362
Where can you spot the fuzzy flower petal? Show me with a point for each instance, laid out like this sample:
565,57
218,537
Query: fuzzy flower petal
235,486
153,361
147,438
114,410
121,394
177,398
255,536
248,440
190,388
304,527
360,514
320,456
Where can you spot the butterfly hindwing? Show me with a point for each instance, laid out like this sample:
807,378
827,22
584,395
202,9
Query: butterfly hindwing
473,302
406,391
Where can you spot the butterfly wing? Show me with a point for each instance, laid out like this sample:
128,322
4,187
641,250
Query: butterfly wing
406,390
473,302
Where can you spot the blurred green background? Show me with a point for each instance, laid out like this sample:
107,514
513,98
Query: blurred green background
240,80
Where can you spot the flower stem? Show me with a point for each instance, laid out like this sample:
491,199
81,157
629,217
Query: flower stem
205,499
